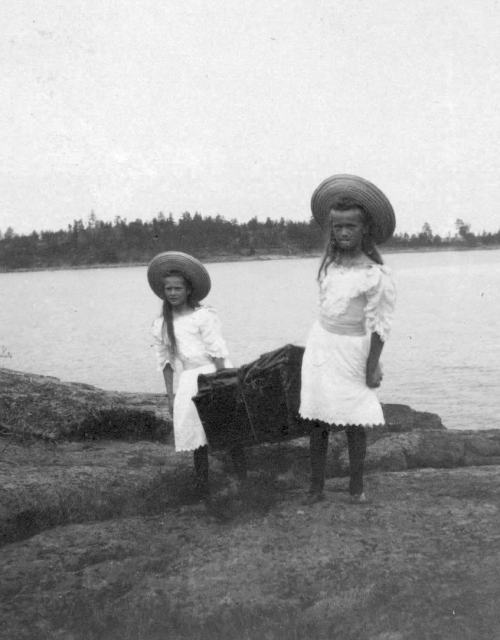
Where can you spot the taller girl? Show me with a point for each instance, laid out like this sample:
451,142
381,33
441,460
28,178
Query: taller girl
341,368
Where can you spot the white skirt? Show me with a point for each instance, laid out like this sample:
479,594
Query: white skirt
334,388
188,430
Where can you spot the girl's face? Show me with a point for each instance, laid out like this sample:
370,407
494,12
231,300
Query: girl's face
348,228
176,291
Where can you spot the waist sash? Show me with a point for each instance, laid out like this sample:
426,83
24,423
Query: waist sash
348,328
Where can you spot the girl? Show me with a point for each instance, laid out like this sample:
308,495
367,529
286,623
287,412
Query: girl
341,369
188,341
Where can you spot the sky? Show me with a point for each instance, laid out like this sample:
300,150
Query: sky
129,108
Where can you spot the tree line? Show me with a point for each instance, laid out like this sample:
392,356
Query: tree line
98,242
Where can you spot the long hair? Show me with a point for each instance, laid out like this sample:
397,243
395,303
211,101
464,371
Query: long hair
331,251
167,311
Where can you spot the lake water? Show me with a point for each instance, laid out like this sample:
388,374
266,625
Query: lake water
93,326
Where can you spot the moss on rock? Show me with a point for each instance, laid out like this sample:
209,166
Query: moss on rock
44,407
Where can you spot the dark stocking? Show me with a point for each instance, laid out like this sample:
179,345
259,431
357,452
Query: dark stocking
356,445
200,457
239,462
318,446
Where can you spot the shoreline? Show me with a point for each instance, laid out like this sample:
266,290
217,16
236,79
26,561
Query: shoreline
141,398
255,258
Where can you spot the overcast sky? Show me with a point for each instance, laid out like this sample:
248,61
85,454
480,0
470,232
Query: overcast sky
242,108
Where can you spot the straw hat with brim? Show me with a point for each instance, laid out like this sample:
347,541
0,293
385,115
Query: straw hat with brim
164,263
361,191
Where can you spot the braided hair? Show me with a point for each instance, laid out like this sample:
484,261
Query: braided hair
167,311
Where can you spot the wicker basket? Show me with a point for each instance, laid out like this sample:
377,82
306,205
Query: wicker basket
254,404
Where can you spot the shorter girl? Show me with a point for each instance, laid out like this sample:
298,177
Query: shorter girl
340,368
188,341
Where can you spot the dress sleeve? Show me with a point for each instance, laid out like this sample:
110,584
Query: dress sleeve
160,344
381,299
211,333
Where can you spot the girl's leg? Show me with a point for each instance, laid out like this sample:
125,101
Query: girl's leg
356,445
318,447
239,462
200,457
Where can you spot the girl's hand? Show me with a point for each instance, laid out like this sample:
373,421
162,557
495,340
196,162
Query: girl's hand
169,408
374,377
219,363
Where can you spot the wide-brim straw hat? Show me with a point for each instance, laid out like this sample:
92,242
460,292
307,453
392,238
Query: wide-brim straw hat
367,195
169,261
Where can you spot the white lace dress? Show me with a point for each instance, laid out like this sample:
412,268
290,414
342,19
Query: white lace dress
199,340
353,302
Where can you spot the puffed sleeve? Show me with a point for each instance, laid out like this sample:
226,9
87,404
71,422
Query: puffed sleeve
211,332
160,344
381,299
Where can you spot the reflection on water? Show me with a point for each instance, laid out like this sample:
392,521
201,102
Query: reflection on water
93,326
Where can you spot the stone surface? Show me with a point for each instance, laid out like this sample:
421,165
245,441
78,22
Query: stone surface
104,538
58,464
420,560
401,418
45,407
43,485
429,448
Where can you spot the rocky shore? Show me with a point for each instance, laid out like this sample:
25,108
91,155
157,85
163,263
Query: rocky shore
103,536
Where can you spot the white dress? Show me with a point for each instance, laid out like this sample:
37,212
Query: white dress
199,340
354,302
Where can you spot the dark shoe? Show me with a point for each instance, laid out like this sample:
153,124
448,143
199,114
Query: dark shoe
242,482
359,498
201,489
313,497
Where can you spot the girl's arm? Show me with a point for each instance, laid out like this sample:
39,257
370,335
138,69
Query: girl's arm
373,371
168,376
211,334
381,297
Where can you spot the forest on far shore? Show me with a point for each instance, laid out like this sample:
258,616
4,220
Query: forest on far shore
96,242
